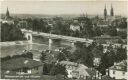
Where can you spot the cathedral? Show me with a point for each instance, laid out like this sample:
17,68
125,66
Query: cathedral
7,16
8,19
106,16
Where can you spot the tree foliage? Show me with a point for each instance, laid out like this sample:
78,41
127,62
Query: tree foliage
10,32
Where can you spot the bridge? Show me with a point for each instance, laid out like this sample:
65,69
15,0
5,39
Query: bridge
51,37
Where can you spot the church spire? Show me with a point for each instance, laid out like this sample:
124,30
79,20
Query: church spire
111,11
7,13
105,12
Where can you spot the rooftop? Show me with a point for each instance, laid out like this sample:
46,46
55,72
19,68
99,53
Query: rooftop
21,62
121,66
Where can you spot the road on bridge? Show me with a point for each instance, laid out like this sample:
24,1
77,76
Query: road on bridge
54,36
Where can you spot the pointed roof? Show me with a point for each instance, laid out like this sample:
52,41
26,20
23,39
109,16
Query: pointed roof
7,16
105,12
7,13
111,11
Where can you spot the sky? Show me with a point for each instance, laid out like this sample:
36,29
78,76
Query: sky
63,7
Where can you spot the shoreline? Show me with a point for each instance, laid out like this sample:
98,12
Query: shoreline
9,43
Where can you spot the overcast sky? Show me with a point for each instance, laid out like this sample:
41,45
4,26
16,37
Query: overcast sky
63,7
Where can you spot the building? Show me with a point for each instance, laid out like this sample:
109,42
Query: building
108,18
80,71
111,11
96,61
103,39
105,13
8,19
22,24
118,71
21,66
75,26
121,30
70,67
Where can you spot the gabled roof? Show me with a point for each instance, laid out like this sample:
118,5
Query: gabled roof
122,65
18,63
82,70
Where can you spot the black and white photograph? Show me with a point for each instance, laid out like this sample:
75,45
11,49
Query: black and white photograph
63,40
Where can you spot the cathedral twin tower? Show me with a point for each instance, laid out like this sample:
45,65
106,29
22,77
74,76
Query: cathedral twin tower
111,12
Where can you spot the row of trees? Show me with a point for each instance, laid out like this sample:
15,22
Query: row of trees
110,30
120,23
62,27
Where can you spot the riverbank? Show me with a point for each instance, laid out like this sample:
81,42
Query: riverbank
9,43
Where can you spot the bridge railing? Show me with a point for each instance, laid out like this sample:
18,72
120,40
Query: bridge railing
59,36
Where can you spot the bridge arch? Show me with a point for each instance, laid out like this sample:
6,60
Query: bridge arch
28,36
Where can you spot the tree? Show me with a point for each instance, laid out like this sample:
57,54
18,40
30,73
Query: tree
5,58
83,55
121,54
107,60
122,34
112,31
98,31
43,56
88,28
58,69
61,56
104,64
123,23
29,55
10,32
97,51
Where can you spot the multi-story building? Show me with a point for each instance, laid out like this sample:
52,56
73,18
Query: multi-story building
80,71
21,66
75,26
118,71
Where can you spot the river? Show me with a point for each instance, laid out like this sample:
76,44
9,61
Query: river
38,45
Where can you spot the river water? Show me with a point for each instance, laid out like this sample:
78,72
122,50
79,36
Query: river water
38,45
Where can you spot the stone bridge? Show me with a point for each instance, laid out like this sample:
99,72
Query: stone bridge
29,35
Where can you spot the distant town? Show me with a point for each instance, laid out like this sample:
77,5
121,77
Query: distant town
80,47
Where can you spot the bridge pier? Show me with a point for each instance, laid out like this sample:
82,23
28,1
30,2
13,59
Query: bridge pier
73,46
29,37
50,43
55,42
56,39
